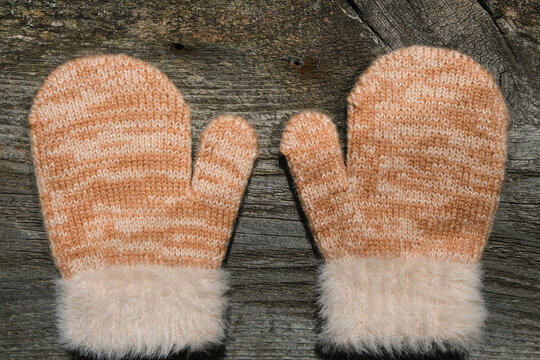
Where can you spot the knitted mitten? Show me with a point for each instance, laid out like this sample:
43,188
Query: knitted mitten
138,241
403,226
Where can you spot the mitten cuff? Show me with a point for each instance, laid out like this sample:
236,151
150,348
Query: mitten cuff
143,310
393,305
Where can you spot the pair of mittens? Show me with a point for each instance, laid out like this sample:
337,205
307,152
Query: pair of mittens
403,225
138,240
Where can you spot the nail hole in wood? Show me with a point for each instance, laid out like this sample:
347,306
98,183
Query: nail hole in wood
178,47
297,62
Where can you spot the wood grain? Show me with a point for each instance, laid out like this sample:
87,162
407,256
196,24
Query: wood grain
266,61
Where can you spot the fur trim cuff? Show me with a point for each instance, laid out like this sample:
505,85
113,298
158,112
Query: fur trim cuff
400,305
142,310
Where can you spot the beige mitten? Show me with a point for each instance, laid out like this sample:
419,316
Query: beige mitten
403,226
138,241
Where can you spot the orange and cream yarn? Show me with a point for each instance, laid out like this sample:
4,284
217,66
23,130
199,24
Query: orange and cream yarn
403,225
139,242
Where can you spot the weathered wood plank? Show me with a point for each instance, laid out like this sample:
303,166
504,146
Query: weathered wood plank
265,61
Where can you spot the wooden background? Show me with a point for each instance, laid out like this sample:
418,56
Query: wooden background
266,60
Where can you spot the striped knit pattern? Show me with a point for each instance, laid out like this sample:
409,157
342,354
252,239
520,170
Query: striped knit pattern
112,152
425,160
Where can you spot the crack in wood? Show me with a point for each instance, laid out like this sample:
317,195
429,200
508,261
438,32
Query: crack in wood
356,9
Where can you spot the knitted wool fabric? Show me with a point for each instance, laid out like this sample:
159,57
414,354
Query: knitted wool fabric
138,241
403,226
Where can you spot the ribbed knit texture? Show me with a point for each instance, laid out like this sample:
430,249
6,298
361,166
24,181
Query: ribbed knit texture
403,225
425,161
112,152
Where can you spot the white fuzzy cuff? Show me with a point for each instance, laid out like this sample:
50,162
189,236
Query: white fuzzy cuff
142,310
397,305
